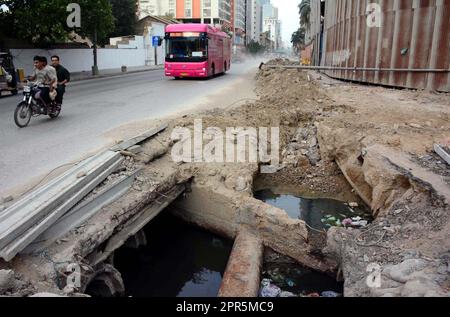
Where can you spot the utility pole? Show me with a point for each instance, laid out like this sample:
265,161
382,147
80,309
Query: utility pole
95,67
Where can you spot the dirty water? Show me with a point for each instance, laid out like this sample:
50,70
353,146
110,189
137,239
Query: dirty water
319,213
179,261
300,281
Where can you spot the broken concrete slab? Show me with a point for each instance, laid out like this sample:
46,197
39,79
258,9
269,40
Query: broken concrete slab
82,213
22,241
140,138
137,223
443,152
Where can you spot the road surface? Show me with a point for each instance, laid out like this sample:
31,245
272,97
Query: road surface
94,110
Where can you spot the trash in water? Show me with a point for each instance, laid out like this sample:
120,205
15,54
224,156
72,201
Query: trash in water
290,283
347,222
268,289
360,224
330,294
287,294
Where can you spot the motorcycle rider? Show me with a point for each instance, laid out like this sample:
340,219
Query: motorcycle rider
45,77
63,78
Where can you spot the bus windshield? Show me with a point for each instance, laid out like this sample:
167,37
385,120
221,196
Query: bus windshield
186,49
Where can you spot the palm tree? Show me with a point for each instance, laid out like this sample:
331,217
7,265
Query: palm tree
305,13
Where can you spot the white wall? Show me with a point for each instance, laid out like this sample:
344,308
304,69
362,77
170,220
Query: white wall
78,60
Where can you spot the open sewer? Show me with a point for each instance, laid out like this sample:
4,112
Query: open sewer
178,261
282,277
318,213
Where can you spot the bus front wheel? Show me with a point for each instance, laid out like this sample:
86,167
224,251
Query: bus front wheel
213,70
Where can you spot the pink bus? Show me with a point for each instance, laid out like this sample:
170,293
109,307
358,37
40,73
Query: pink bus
196,50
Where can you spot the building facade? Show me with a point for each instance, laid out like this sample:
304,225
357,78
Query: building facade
254,21
156,8
239,21
216,12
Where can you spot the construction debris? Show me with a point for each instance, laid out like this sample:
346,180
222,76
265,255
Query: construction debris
443,152
23,222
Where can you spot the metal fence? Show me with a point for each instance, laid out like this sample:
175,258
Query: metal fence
408,39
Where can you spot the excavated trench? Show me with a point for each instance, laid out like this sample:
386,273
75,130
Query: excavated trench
186,250
178,260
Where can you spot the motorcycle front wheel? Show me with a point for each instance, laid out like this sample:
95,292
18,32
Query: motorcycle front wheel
22,115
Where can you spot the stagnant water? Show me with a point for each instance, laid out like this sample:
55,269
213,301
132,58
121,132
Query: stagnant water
314,212
299,280
179,261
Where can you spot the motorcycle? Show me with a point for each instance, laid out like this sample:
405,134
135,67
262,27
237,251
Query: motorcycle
33,105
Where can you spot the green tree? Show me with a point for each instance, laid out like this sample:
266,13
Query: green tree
255,48
124,12
305,13
38,22
97,22
298,39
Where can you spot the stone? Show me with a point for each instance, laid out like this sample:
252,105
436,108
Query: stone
7,280
415,125
2,208
81,174
8,199
212,172
398,211
419,288
241,184
402,272
314,157
312,141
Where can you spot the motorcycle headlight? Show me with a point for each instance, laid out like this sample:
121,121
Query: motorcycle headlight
27,89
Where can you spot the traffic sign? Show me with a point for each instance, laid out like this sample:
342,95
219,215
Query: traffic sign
155,41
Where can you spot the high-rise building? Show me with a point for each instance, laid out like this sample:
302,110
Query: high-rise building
269,11
254,21
239,8
207,11
156,8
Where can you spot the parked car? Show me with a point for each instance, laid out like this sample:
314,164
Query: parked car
8,77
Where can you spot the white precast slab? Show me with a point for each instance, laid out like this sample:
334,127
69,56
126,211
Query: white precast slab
82,213
20,243
39,207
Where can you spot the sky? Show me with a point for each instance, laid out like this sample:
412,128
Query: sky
288,14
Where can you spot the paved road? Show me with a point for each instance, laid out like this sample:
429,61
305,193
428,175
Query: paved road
91,109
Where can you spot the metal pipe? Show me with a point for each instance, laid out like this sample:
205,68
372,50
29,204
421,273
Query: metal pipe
362,69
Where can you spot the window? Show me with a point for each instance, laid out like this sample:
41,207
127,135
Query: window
188,8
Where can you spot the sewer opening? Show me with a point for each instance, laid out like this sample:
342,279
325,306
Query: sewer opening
284,277
179,260
319,213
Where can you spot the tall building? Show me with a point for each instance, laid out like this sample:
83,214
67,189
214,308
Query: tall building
207,11
156,8
254,21
271,24
239,21
269,11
